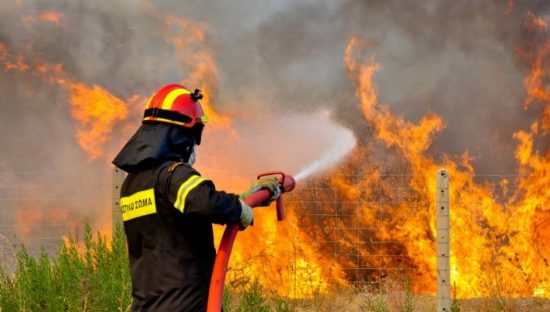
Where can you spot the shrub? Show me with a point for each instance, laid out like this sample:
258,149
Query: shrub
253,300
94,278
455,305
408,301
377,304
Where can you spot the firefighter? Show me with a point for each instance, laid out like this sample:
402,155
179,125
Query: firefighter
168,208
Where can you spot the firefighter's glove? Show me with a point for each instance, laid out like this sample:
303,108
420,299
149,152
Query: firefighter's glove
247,215
270,183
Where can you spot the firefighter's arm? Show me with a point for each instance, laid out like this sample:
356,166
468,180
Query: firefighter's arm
216,206
197,197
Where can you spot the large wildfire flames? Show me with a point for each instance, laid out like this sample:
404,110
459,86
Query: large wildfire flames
492,255
500,242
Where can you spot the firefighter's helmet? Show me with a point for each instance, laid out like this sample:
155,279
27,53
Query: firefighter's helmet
174,104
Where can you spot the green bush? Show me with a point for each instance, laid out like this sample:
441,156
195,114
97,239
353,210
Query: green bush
408,301
378,303
253,300
455,305
227,300
95,278
251,296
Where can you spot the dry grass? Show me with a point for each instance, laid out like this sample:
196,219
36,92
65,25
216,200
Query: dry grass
349,300
355,302
506,304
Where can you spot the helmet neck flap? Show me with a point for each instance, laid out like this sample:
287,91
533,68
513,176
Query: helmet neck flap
153,144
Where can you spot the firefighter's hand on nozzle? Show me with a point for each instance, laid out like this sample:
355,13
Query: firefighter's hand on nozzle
247,215
270,182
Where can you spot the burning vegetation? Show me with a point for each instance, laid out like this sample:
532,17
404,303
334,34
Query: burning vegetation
500,240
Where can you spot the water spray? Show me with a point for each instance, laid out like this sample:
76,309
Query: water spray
332,155
215,295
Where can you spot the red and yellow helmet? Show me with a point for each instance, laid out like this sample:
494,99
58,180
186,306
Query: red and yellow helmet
174,104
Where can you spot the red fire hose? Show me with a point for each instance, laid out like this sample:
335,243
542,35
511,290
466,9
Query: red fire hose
215,295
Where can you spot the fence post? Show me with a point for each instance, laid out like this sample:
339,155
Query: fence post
443,242
117,178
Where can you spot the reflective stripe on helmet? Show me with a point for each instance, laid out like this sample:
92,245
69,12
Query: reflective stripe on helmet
184,190
171,97
174,104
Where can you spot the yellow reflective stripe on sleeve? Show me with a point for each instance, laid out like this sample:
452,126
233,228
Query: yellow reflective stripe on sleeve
139,204
185,188
169,99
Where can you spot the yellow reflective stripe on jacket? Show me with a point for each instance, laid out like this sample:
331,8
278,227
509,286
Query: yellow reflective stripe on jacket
185,188
139,204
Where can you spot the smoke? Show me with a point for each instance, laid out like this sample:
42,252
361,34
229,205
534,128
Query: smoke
456,60
281,60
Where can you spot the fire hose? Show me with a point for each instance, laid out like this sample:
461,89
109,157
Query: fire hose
215,295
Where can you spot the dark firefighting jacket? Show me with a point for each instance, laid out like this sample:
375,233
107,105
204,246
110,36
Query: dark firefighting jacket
168,213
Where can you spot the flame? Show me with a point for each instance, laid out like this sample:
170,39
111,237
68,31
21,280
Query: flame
490,255
510,6
536,52
534,23
197,64
95,109
18,64
276,254
52,17
97,112
34,221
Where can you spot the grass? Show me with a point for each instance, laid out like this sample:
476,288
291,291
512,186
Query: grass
93,276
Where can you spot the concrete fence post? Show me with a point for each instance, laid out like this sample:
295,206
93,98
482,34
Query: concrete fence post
117,178
443,242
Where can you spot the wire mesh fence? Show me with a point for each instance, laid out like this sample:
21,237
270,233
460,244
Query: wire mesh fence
39,209
362,231
346,229
498,242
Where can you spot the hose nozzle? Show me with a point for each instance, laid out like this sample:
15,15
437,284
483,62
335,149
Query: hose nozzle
286,184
